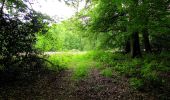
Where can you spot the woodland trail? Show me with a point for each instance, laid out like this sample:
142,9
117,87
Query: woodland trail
61,86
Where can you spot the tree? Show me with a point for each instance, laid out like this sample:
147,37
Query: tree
62,36
18,26
127,20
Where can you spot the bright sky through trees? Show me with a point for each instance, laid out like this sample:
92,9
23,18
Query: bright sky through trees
54,8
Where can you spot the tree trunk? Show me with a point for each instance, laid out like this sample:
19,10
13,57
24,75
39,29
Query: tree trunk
127,47
146,40
134,45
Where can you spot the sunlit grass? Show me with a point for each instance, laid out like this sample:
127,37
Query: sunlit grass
144,70
107,72
79,62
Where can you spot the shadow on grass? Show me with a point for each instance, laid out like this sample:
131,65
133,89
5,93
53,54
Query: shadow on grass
30,79
23,74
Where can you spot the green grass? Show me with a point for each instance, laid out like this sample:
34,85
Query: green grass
60,60
80,63
81,70
106,72
142,72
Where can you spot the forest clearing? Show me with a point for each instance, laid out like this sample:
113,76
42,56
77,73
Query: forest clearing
84,49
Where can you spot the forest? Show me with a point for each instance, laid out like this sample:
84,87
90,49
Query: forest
108,50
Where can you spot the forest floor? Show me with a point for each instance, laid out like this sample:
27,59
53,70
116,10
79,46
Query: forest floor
61,86
80,80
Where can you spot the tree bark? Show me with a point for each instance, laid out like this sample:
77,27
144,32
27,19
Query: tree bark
135,46
146,40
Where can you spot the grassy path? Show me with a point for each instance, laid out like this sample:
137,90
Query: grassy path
81,80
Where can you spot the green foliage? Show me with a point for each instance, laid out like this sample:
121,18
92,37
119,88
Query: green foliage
107,72
112,23
149,71
136,83
17,31
80,63
144,73
108,24
60,61
81,71
63,36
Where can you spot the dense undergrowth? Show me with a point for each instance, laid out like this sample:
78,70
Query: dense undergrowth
147,73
